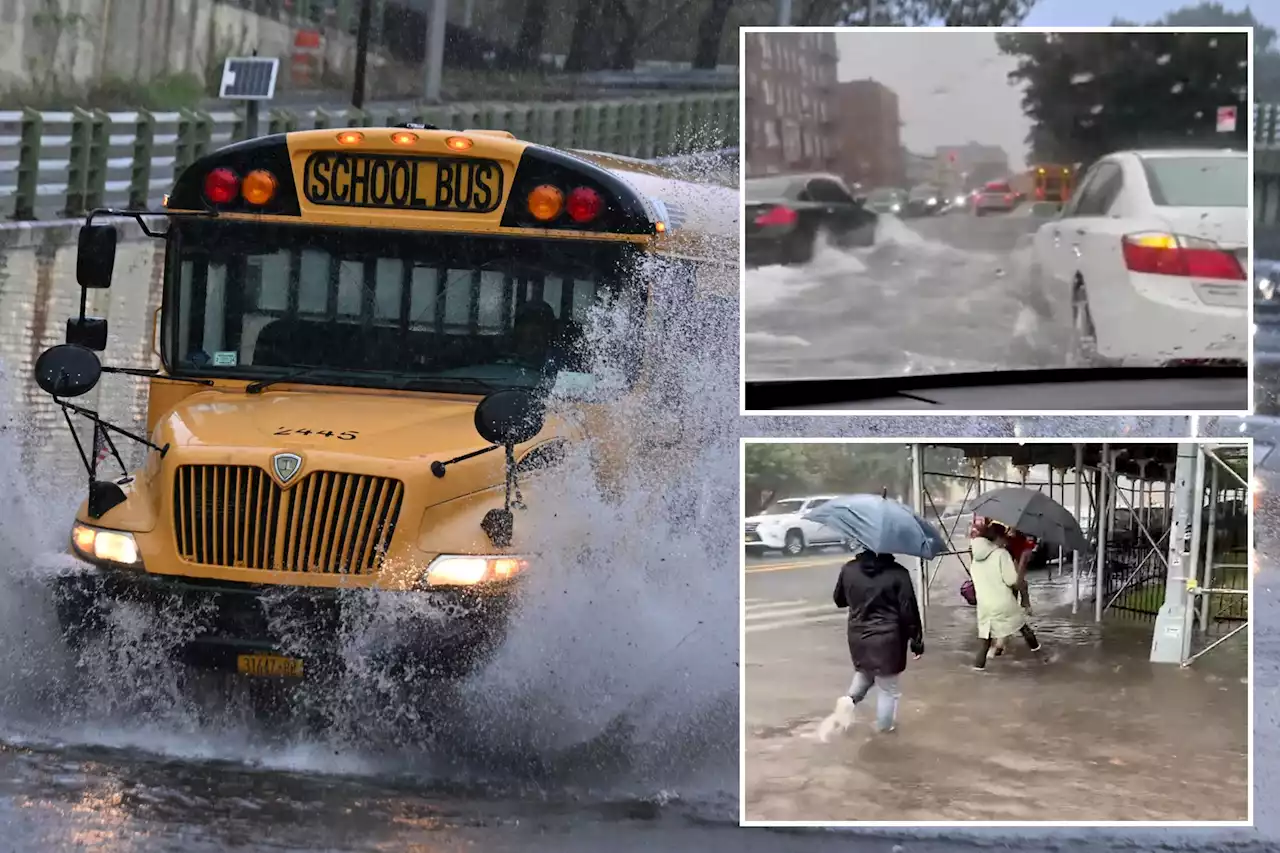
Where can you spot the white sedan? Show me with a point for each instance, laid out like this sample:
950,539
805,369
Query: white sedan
1152,250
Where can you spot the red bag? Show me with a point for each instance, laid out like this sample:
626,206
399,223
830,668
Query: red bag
968,593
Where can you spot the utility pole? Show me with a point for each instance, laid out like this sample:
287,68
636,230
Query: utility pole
784,13
435,50
362,53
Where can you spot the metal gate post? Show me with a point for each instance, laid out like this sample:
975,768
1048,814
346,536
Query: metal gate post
1105,489
1211,539
1192,572
1075,555
1169,642
919,577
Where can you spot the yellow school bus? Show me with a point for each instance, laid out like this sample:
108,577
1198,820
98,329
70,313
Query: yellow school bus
351,321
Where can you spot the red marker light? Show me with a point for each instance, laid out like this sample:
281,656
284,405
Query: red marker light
778,216
221,186
584,204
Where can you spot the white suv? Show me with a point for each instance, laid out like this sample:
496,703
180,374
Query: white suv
781,527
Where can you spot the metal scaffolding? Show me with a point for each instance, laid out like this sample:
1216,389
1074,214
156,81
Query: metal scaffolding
1153,555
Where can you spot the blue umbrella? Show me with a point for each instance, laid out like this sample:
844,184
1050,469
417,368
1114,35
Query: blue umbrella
881,525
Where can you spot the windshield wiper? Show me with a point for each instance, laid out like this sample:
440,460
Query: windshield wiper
149,372
262,384
411,381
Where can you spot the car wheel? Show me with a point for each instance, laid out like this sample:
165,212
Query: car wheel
793,544
799,247
1084,341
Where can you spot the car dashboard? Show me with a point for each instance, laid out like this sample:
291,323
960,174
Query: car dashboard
1182,389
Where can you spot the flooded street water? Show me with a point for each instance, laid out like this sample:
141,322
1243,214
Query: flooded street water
942,294
1096,734
610,724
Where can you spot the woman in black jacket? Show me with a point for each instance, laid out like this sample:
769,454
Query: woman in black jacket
884,621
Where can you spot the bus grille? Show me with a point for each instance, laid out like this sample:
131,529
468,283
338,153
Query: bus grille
237,516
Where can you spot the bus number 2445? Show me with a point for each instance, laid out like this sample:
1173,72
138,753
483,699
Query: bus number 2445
345,435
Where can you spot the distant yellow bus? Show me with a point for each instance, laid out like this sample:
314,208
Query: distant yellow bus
344,313
1052,182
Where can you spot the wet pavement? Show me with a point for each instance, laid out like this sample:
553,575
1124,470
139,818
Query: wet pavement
1098,734
938,294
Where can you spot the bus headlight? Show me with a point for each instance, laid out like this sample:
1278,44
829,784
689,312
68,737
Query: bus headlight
471,570
105,546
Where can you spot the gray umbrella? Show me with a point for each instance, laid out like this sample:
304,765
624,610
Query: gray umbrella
1033,513
881,525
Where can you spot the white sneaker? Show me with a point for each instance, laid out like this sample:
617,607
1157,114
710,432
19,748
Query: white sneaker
840,720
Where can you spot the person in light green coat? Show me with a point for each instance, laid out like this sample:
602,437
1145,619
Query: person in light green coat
995,582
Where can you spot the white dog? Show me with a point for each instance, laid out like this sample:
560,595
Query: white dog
840,720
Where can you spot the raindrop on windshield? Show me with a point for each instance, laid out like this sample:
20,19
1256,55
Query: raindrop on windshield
1082,77
1096,109
1163,59
1176,88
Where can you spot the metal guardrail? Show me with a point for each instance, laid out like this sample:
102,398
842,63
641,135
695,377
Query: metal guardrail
61,164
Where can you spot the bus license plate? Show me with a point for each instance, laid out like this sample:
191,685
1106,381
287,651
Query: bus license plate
268,666
392,182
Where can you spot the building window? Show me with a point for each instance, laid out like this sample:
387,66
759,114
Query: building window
790,141
771,134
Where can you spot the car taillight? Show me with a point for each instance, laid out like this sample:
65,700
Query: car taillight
778,216
1009,197
221,186
1171,254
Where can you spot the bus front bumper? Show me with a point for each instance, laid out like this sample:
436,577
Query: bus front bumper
288,632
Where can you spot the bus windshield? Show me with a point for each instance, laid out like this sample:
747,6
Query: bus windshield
395,309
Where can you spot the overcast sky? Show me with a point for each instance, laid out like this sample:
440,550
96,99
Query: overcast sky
952,87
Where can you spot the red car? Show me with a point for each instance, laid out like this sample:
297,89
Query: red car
996,196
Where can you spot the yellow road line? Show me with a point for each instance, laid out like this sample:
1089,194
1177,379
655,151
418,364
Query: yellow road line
790,567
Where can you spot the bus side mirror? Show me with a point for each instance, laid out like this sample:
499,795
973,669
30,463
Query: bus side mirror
509,417
88,332
96,256
67,370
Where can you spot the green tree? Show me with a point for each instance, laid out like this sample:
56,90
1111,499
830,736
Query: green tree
781,470
1266,58
1091,93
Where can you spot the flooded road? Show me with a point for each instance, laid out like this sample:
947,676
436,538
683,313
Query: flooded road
939,294
612,724
1098,734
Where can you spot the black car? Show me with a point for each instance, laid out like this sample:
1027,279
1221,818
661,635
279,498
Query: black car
925,200
785,214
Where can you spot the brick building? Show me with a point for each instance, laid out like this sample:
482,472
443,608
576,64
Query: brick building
789,89
868,128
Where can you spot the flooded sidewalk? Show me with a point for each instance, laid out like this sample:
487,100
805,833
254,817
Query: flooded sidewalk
1097,734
